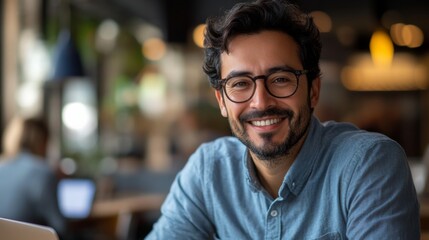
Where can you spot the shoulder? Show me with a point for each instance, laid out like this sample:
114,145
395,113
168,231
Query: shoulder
347,137
221,148
374,180
351,149
221,155
36,166
223,142
217,152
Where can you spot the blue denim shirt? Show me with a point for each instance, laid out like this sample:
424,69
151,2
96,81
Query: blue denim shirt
344,184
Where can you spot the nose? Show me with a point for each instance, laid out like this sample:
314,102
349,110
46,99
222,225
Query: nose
261,99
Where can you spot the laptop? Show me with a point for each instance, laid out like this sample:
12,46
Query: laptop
16,230
76,197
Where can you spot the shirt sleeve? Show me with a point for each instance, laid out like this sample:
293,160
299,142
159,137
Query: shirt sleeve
184,213
381,198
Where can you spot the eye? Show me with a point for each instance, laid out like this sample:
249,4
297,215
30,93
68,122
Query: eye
239,83
282,78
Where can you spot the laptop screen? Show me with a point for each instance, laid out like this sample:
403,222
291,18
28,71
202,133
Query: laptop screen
75,197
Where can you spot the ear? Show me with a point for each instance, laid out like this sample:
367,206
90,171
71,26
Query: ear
315,92
221,102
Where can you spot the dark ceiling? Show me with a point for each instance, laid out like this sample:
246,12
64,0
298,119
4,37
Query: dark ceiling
177,17
174,17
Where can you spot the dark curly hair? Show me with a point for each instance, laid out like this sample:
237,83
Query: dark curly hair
35,135
249,18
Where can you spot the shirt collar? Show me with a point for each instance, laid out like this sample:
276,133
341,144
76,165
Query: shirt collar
299,172
251,176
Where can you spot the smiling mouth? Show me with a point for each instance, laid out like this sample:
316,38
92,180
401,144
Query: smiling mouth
266,122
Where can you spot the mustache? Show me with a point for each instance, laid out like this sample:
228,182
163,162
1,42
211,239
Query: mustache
282,113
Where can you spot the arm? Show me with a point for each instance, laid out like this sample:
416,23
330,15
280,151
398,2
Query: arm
381,198
184,213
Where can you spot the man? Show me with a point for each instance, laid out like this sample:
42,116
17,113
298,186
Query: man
285,175
27,182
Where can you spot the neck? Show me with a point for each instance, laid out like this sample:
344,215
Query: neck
272,172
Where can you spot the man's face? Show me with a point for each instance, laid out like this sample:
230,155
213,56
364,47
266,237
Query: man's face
270,127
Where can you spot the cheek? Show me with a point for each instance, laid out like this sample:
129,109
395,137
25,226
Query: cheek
300,96
221,104
232,110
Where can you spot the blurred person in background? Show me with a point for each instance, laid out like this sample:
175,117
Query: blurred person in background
28,184
285,174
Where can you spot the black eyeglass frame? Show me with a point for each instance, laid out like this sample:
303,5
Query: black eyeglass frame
297,74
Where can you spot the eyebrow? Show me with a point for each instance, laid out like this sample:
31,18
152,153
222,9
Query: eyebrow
234,73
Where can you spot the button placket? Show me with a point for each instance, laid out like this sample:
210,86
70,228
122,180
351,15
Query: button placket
273,221
274,213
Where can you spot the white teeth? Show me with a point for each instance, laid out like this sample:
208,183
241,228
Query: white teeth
265,122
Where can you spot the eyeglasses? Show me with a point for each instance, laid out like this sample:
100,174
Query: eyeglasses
280,84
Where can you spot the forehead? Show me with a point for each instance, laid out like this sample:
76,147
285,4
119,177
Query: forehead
256,53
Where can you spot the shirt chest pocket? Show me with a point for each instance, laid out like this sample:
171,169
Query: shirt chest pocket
329,236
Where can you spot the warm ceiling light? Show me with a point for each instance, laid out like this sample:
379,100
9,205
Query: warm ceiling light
412,35
154,49
322,21
396,33
406,35
405,74
198,35
346,35
381,48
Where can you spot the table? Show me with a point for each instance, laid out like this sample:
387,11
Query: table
117,206
112,219
424,218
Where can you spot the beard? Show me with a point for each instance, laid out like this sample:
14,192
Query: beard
270,150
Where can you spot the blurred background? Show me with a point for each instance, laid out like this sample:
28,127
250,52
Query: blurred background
121,78
121,75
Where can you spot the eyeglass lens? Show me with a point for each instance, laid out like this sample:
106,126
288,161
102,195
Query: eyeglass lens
279,84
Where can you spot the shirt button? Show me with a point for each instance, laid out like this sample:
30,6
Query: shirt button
274,213
293,185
